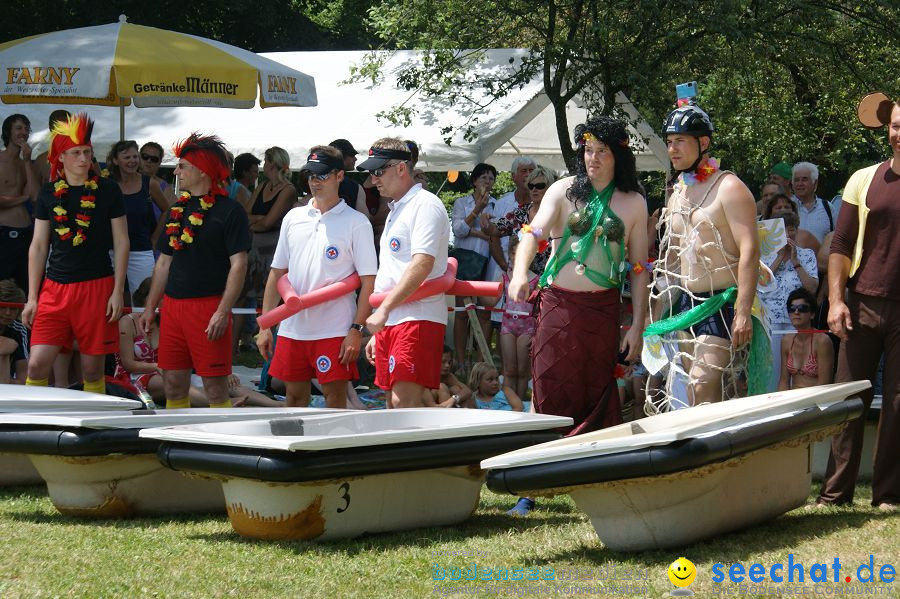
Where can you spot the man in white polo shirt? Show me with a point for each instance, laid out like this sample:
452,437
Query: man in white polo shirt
409,337
320,243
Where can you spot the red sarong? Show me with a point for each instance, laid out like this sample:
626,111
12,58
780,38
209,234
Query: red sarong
574,357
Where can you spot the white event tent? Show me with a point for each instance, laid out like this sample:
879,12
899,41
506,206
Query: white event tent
520,123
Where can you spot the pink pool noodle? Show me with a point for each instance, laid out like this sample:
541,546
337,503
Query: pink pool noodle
430,287
293,302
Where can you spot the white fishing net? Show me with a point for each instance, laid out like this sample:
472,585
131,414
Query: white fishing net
690,366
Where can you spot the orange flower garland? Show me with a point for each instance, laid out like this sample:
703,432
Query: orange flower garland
179,235
82,218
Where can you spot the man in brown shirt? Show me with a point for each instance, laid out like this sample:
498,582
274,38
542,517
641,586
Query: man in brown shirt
865,261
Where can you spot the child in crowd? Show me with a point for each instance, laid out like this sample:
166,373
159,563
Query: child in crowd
487,391
136,362
516,330
13,335
452,393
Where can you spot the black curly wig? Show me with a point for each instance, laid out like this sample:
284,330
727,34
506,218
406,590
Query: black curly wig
614,134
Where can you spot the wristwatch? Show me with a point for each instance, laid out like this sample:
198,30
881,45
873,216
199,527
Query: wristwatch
357,327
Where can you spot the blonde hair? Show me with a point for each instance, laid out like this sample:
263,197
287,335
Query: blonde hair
478,372
281,159
391,143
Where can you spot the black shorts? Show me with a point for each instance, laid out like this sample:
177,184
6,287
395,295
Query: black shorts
717,325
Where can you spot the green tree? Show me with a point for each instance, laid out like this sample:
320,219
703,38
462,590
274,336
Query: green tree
780,78
274,25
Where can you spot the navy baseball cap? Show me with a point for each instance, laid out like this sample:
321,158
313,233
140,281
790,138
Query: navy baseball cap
379,157
321,164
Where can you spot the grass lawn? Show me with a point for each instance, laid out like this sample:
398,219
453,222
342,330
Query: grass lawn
48,555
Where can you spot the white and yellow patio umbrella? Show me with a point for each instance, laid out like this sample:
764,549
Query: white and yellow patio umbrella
121,63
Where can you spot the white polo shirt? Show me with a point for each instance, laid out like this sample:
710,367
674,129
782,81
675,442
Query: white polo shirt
317,250
416,224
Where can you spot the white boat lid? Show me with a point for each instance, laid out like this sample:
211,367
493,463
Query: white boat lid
149,418
359,429
694,422
25,398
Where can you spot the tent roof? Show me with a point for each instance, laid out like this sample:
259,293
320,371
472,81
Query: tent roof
520,123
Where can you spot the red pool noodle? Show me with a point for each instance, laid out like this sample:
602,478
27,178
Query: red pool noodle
293,302
476,288
430,287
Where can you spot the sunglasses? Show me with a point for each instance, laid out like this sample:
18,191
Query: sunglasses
150,158
800,308
320,177
379,172
533,186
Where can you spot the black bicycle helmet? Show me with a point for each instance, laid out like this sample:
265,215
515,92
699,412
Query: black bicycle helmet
689,119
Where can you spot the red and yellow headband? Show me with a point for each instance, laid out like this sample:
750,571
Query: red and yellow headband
206,153
65,135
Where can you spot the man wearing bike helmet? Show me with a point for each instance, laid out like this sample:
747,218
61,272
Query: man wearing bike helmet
709,256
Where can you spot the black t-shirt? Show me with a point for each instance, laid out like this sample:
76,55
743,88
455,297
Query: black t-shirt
201,268
18,333
90,260
348,190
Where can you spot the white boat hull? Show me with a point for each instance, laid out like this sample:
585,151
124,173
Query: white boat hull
337,509
17,470
121,485
664,511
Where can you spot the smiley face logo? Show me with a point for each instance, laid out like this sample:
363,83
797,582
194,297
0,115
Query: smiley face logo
682,573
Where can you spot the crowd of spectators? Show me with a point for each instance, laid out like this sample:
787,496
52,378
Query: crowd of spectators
484,235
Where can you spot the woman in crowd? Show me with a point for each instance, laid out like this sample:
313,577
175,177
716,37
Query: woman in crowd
793,267
807,357
509,224
151,158
471,248
236,191
245,172
780,203
140,193
270,202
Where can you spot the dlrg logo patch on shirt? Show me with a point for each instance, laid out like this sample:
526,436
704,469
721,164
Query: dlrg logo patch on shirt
331,252
395,244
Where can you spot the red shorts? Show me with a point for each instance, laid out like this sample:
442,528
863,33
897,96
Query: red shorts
183,343
409,352
67,312
301,360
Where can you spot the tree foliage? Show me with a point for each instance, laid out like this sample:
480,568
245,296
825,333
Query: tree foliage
270,26
780,78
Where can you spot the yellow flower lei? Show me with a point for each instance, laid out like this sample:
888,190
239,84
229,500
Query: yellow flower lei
179,235
82,218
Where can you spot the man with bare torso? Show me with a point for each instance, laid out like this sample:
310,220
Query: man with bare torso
709,256
18,186
597,224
